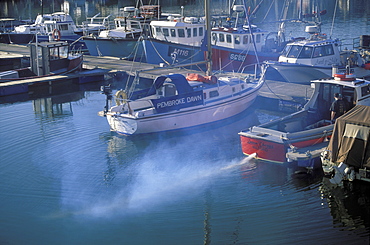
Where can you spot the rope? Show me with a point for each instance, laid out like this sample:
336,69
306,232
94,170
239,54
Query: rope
272,91
332,23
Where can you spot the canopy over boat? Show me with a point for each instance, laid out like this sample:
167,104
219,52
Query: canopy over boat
350,140
182,85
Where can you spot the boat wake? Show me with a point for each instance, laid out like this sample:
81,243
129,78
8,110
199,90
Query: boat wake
155,186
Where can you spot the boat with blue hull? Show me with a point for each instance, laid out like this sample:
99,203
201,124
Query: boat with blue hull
124,40
175,41
236,46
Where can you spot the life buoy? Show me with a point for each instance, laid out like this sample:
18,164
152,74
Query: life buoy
344,77
121,97
56,35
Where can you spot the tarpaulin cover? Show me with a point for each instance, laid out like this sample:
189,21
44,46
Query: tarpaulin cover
350,140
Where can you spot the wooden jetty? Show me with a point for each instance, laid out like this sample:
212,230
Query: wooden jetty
280,93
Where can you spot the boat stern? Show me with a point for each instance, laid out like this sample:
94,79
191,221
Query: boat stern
266,146
122,123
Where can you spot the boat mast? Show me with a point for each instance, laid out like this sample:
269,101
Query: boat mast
251,33
208,30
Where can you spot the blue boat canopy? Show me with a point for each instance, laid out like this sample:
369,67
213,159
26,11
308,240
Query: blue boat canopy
182,85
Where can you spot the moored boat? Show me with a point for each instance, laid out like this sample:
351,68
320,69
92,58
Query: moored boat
347,156
58,26
47,59
176,102
240,46
312,125
175,41
313,58
124,40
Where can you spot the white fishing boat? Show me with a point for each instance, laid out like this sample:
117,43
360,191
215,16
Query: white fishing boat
347,156
177,102
313,58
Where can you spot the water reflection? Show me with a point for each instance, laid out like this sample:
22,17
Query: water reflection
349,205
56,106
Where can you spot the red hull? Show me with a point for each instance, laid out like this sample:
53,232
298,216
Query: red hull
236,61
272,151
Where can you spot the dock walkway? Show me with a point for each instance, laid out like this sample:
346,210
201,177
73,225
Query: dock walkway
275,91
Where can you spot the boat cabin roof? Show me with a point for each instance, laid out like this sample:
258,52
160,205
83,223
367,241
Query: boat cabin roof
353,84
52,44
238,30
165,23
313,43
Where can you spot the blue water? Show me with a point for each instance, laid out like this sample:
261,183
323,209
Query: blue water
66,179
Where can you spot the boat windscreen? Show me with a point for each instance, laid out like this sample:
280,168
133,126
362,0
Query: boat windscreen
182,85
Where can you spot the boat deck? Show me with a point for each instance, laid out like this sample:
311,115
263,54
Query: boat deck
308,152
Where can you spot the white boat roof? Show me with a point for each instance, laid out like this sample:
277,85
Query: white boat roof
313,43
173,23
353,84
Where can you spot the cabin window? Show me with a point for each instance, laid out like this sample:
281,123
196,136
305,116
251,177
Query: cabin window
365,91
201,31
173,32
135,26
324,50
63,52
285,52
318,52
165,31
63,27
245,39
306,52
157,30
49,28
237,39
188,31
221,37
329,49
169,90
294,51
181,32
53,53
258,38
228,38
195,32
213,93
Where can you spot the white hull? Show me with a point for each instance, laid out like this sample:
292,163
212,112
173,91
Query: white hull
183,118
303,74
